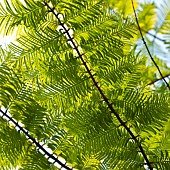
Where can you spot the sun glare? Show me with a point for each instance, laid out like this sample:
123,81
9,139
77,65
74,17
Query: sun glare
4,41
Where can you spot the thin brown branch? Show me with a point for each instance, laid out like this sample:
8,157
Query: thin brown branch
154,36
38,145
137,141
154,81
148,48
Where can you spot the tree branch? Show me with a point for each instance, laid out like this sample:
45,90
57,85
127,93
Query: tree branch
154,81
122,123
148,48
34,141
154,36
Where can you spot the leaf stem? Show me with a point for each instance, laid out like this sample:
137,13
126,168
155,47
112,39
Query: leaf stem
154,36
122,123
148,48
37,144
154,81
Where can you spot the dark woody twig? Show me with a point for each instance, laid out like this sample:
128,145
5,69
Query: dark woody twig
113,111
154,81
34,141
154,36
148,48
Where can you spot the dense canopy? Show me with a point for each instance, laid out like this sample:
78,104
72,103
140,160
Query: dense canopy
84,85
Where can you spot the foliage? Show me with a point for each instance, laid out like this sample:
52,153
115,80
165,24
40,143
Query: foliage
76,81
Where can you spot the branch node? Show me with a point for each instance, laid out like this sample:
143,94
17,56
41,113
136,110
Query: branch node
95,83
62,23
122,124
81,55
66,32
51,10
71,39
